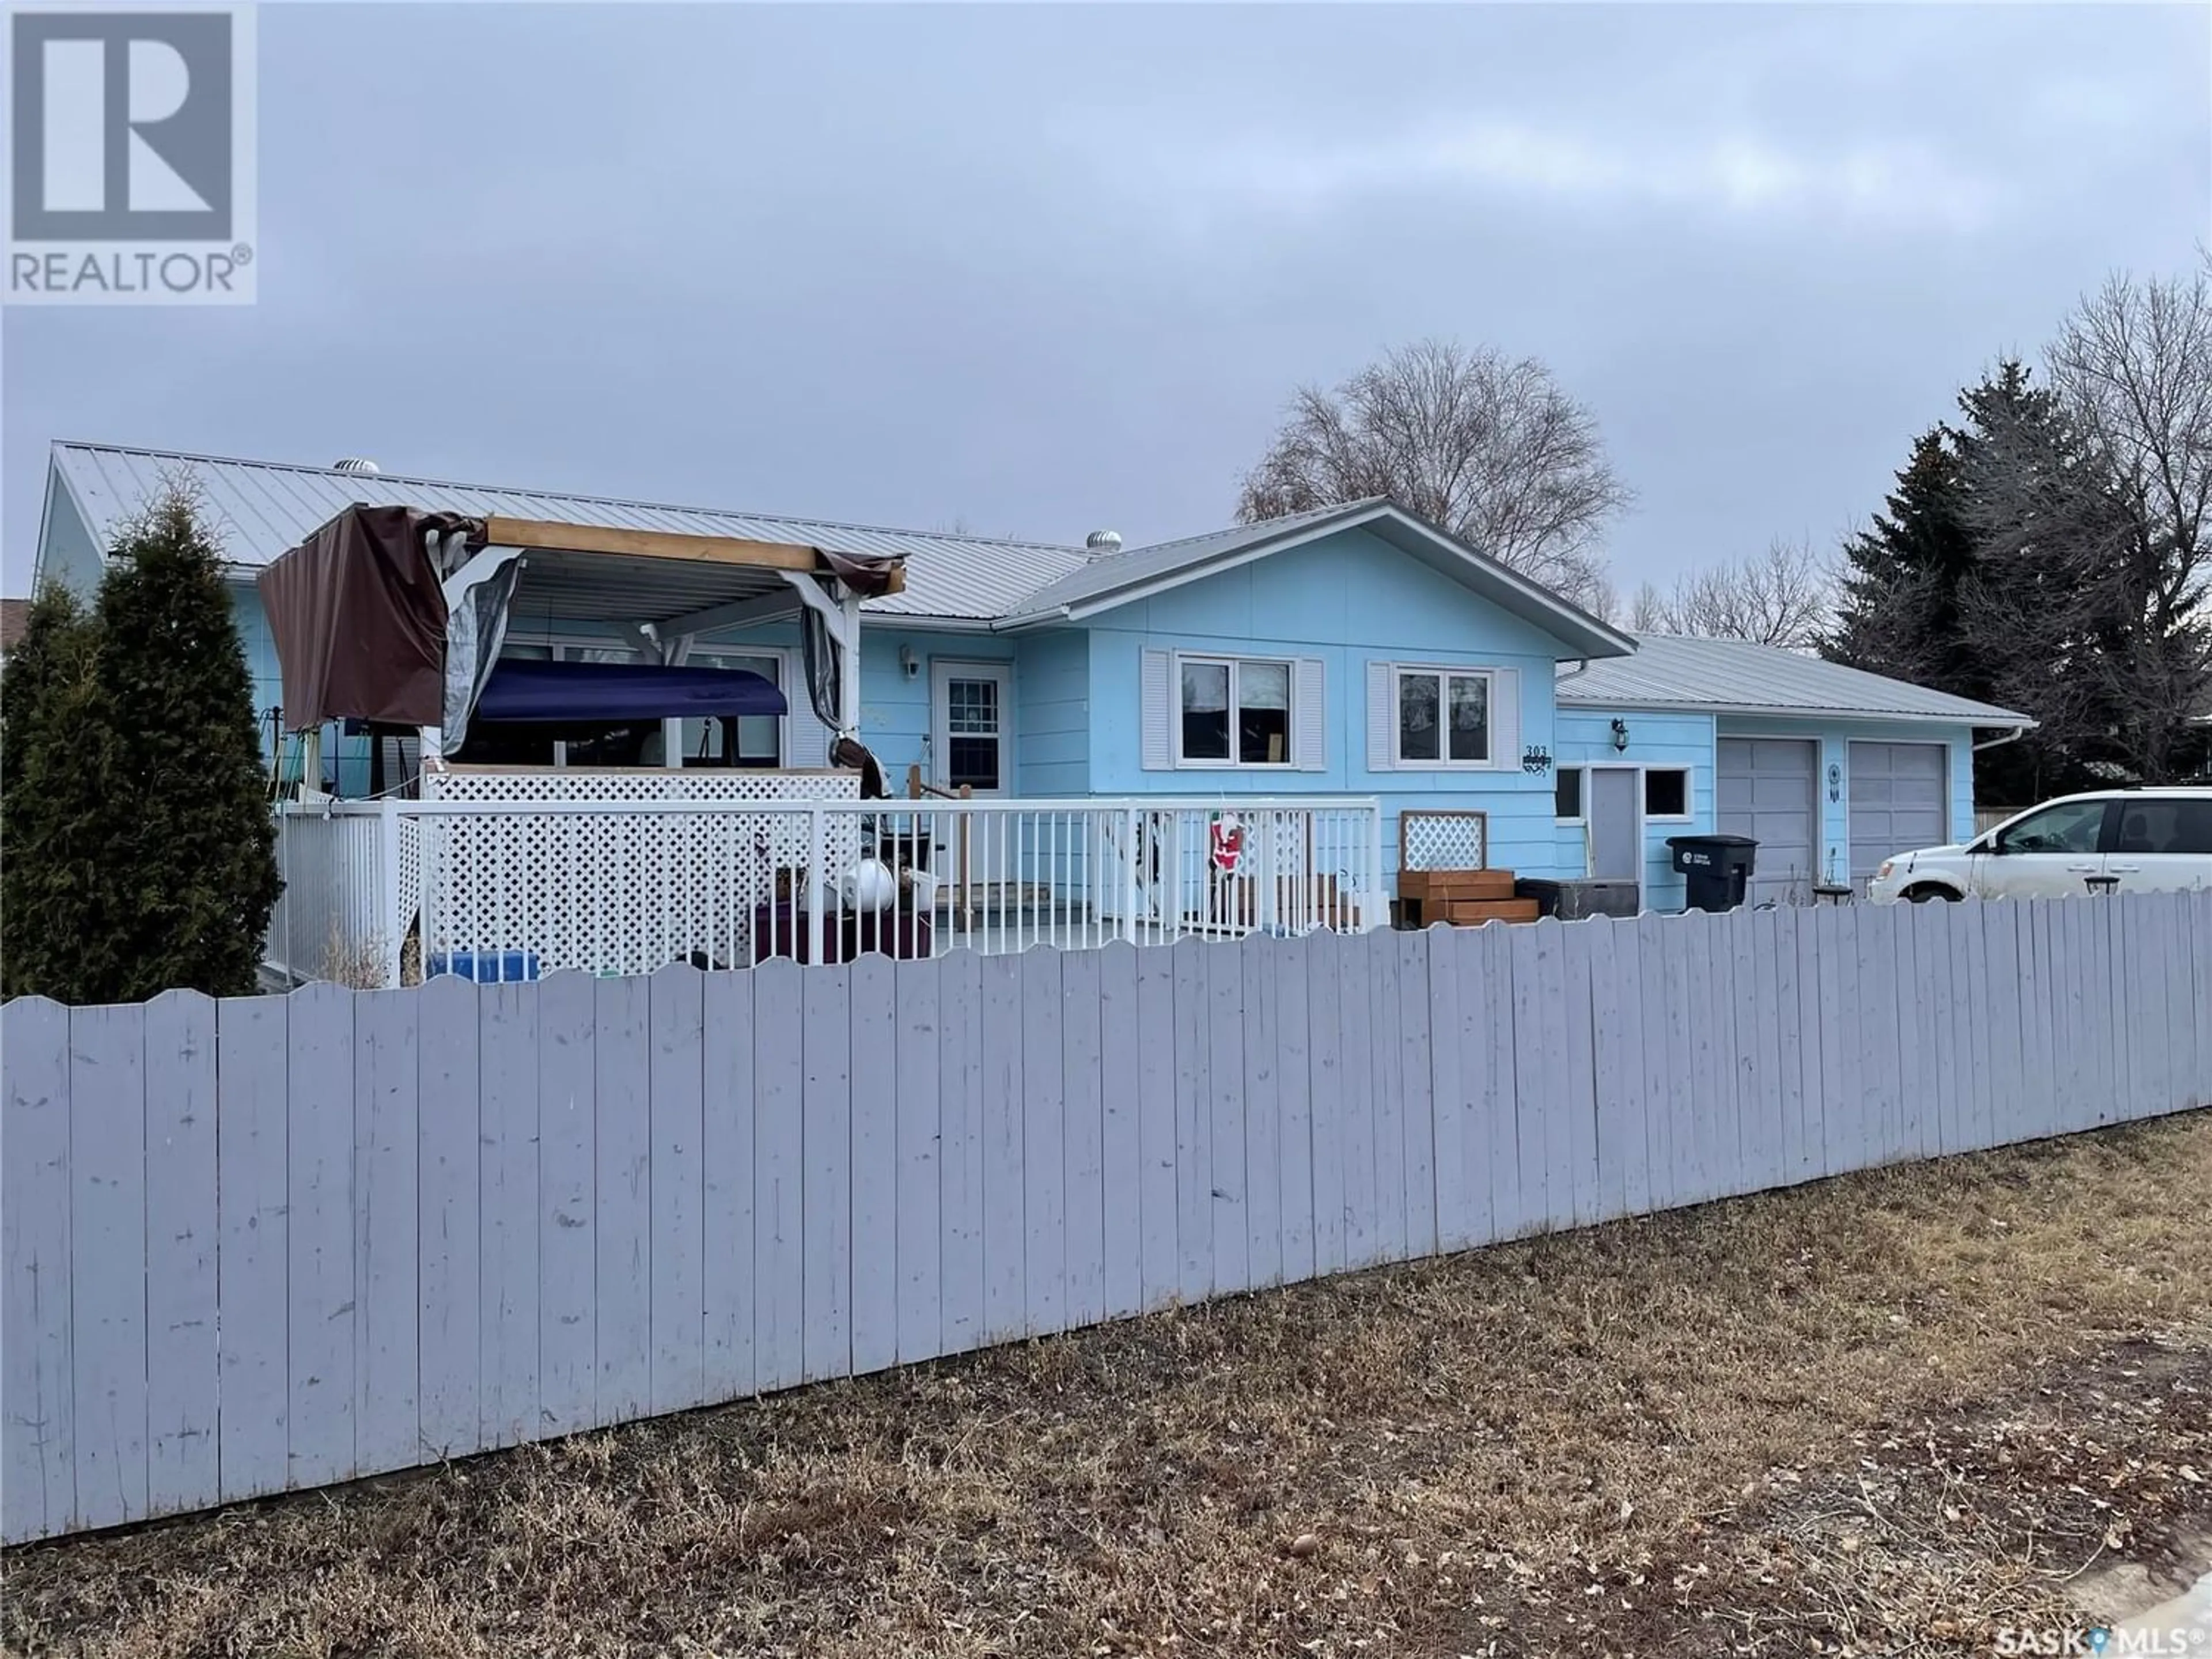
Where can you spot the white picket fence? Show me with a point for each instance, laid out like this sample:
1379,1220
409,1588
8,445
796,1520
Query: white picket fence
276,1242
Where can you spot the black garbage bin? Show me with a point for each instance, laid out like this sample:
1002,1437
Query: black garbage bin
1718,867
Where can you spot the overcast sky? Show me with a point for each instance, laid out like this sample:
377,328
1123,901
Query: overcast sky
1039,269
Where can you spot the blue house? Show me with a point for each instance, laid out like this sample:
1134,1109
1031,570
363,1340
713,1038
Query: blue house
1352,651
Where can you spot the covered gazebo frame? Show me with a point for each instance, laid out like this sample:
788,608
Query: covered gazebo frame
363,633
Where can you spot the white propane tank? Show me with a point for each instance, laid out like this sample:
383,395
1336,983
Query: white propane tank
869,885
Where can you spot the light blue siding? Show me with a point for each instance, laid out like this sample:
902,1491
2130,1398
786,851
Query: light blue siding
894,708
1585,738
1348,600
1052,713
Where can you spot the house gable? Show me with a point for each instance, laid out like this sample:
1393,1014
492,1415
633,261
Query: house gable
67,552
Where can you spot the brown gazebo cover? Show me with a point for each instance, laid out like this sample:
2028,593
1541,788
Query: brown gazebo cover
359,619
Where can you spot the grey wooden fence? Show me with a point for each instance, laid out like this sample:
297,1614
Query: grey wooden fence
272,1242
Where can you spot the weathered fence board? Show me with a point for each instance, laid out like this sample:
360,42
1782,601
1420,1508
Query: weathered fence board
568,1204
38,1477
251,1037
387,1245
183,1389
269,1242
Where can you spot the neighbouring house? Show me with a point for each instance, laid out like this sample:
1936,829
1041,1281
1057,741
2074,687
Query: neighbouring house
14,617
1350,655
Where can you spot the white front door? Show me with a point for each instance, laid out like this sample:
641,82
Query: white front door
971,727
971,747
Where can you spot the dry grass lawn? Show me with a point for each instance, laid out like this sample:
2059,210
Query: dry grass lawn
1892,1414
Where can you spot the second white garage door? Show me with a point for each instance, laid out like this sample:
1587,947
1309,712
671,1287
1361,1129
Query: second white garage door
1766,793
1899,796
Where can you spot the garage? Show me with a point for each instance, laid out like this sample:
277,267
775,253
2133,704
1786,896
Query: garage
1900,800
1767,792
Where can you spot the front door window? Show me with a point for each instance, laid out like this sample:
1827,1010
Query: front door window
974,740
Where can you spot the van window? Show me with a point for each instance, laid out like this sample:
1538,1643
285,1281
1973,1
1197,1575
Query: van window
2071,826
2174,825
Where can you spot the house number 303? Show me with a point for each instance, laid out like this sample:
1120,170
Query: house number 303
1535,759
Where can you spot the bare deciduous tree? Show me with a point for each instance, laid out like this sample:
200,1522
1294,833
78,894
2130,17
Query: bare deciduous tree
2134,367
1486,447
1782,597
1647,611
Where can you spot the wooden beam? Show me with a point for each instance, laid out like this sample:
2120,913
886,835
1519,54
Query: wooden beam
649,544
740,613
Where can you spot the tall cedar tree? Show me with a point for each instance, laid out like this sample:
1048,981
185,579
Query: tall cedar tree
57,935
194,872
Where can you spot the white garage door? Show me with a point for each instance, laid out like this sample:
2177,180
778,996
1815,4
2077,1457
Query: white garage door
1899,795
1766,793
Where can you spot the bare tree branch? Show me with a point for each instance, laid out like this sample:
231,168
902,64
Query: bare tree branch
1488,448
1782,597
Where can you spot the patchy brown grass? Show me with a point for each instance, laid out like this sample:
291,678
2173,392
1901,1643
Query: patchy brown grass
1886,1414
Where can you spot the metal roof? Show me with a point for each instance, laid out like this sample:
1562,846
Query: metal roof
260,509
1106,582
1735,676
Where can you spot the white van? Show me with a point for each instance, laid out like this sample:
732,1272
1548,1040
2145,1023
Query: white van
2129,841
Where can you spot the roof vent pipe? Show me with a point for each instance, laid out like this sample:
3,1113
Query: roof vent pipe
354,464
1101,543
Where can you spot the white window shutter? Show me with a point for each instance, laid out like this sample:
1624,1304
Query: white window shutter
1309,714
807,737
1505,719
1157,679
1381,726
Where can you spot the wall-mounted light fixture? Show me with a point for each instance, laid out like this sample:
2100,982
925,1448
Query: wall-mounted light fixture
909,661
1620,737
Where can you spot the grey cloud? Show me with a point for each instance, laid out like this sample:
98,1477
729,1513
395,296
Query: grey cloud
1041,268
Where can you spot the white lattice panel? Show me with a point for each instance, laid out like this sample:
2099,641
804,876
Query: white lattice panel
615,892
737,786
1443,840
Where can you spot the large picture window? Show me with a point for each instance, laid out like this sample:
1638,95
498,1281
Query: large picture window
1443,717
1236,711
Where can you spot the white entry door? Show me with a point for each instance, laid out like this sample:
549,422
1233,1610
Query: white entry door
971,747
971,727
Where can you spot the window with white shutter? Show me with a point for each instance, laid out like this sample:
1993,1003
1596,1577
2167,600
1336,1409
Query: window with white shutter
1309,715
1207,713
1155,679
1382,756
1424,717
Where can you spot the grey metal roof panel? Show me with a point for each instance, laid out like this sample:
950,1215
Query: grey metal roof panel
1737,676
261,509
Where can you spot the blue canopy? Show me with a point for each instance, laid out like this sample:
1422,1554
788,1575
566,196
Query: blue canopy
547,691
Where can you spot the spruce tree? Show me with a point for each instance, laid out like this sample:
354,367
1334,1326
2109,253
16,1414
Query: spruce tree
194,874
1899,612
56,819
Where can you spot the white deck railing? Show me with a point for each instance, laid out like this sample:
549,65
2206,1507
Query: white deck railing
384,892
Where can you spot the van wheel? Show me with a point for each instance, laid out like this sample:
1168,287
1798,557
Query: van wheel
1922,894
